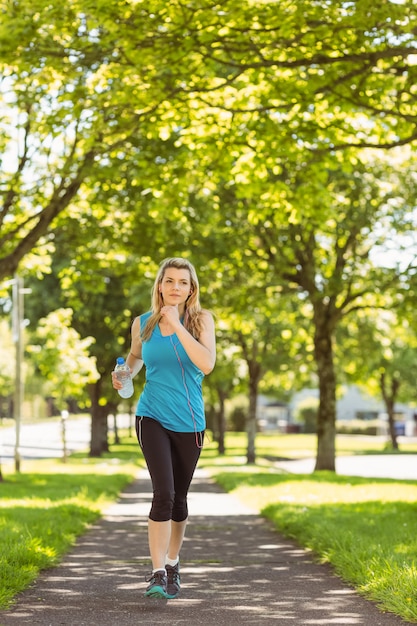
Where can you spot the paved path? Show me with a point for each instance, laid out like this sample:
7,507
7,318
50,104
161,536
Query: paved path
398,466
235,570
39,440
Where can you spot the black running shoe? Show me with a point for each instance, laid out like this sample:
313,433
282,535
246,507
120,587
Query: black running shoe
173,578
157,587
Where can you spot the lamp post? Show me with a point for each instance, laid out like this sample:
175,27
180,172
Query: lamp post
18,305
64,417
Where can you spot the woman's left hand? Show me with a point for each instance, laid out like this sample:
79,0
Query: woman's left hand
171,315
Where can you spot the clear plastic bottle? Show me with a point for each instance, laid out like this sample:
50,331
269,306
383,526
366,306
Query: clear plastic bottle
123,374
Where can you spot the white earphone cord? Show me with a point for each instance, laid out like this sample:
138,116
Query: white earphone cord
197,433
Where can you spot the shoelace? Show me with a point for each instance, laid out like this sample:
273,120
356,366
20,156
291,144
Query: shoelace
157,577
173,576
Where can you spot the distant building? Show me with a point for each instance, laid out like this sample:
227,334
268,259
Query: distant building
353,404
272,414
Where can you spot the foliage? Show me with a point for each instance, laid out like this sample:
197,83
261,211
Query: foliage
361,427
63,357
7,359
390,367
96,91
247,136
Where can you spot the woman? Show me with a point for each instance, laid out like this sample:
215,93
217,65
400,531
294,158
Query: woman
176,342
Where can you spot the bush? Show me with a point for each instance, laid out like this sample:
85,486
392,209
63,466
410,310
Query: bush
237,419
360,427
306,414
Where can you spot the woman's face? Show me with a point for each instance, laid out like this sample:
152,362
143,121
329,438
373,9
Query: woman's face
175,286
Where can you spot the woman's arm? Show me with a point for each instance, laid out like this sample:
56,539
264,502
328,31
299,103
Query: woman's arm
134,358
202,352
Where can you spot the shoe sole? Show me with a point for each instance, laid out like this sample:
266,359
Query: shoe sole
157,592
172,596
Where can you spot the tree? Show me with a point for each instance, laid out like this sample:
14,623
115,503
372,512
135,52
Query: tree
310,232
82,84
84,81
219,387
265,104
94,285
315,84
63,358
390,366
261,325
328,258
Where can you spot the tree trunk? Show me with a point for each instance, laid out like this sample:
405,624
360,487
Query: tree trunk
221,422
99,428
251,425
389,401
99,441
326,417
115,428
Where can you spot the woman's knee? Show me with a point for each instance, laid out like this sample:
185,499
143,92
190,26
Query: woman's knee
162,505
180,509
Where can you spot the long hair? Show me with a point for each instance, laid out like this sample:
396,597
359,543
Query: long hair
192,311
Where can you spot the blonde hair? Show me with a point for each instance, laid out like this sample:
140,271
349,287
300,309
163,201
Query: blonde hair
192,312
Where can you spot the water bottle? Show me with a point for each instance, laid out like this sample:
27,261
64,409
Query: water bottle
123,374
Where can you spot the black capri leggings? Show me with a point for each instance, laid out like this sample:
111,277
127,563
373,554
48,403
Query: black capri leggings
171,458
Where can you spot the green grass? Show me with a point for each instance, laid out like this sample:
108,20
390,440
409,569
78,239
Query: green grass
276,446
365,528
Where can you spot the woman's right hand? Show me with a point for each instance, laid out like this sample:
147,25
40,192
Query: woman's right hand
115,381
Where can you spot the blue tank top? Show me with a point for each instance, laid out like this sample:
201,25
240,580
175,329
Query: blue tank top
173,385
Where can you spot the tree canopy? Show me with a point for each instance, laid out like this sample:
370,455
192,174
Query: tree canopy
258,138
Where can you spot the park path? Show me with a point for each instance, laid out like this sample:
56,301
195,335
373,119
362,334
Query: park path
235,570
